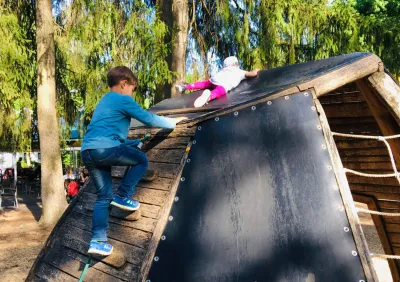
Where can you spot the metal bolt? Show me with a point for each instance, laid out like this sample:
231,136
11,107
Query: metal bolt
156,258
148,281
269,103
253,108
170,218
183,179
323,147
188,160
236,114
306,94
329,167
319,127
217,119
286,97
361,281
346,229
176,199
313,108
163,237
354,253
199,128
194,142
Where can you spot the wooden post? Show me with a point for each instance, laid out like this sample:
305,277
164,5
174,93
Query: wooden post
389,91
381,230
347,199
385,119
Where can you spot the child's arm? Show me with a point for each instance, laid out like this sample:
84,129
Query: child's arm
135,111
252,73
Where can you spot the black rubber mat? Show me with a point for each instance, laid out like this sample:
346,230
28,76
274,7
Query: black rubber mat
257,202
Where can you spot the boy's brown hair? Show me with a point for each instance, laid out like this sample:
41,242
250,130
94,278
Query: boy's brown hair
119,73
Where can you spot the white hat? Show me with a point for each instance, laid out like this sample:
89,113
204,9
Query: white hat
230,61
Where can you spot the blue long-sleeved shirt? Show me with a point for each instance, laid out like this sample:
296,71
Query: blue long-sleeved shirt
111,119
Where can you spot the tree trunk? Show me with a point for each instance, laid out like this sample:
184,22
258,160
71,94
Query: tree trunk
28,159
53,195
174,13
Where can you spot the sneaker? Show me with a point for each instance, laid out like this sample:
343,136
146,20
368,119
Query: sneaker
203,99
126,204
180,88
100,248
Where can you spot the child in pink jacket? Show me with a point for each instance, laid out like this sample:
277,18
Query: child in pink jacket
218,85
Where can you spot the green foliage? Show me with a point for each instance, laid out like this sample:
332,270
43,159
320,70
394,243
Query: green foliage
16,79
66,158
266,34
96,36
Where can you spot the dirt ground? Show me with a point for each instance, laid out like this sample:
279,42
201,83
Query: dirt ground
21,239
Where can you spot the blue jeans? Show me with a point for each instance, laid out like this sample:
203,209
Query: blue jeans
99,162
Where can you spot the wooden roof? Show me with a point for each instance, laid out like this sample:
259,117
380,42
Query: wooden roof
135,236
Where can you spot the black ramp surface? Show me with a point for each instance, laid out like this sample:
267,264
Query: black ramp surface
257,202
267,83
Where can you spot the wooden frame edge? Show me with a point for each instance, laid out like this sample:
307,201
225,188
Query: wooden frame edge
347,199
161,225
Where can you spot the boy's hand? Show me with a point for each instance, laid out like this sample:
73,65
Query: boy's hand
179,119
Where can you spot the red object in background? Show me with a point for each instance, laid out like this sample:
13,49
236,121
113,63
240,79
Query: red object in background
8,173
73,188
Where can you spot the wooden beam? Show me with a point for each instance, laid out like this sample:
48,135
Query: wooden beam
389,90
384,118
159,229
358,109
374,188
383,236
337,78
347,198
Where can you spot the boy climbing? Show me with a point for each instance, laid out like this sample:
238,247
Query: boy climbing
225,80
105,144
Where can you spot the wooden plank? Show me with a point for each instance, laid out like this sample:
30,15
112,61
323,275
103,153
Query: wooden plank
382,231
168,143
365,159
88,199
358,144
179,131
355,179
150,196
353,110
342,76
384,196
349,120
364,152
356,128
332,98
388,204
347,198
374,188
389,90
75,267
121,233
159,183
375,165
147,261
166,156
165,170
386,122
126,272
78,239
119,172
47,272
